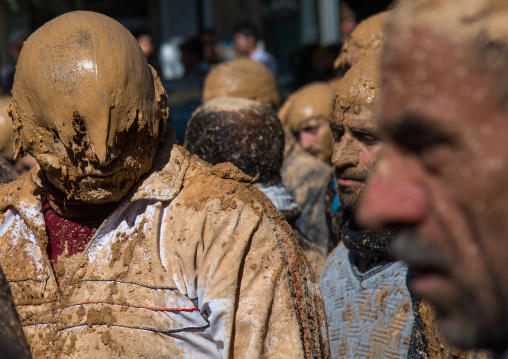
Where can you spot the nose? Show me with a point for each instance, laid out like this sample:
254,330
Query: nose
345,152
393,196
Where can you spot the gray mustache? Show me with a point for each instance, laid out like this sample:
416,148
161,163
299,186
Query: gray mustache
417,253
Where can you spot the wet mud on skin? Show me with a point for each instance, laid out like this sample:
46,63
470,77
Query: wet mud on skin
94,148
242,78
366,40
355,156
311,106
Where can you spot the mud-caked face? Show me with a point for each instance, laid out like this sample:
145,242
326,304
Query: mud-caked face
314,136
355,149
75,168
442,177
87,106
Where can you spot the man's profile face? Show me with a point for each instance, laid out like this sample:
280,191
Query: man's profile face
443,179
243,44
355,149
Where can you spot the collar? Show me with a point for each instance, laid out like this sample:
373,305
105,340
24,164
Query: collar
163,182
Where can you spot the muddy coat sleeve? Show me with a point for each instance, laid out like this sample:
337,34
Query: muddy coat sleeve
245,271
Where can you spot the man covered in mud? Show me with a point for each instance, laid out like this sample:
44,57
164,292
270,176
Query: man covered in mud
370,311
118,244
308,119
304,176
249,135
360,271
442,178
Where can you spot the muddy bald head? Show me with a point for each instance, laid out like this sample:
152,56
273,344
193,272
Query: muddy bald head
87,106
242,78
366,40
308,118
243,132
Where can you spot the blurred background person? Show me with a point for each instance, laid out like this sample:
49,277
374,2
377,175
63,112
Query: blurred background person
196,67
145,41
348,20
243,78
245,43
209,41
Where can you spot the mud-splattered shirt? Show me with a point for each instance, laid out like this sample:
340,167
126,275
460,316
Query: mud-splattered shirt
192,263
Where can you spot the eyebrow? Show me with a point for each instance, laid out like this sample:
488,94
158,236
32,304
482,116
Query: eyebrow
412,131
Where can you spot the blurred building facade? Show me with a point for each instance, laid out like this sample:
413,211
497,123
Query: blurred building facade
285,25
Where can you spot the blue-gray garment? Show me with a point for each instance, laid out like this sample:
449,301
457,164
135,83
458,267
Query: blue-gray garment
369,314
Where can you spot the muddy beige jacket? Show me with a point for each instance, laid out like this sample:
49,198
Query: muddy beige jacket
192,264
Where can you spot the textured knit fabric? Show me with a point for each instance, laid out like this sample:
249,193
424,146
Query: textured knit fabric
367,244
369,314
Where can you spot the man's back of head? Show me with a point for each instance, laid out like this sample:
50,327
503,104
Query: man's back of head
242,78
243,132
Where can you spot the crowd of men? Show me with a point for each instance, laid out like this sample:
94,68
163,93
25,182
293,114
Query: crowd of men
361,218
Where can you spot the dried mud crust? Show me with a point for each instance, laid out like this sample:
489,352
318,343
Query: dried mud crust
307,302
243,132
225,182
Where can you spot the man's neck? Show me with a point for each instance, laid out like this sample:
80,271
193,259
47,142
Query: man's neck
74,209
364,264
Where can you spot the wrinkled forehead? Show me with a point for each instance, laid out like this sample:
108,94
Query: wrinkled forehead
431,82
421,64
